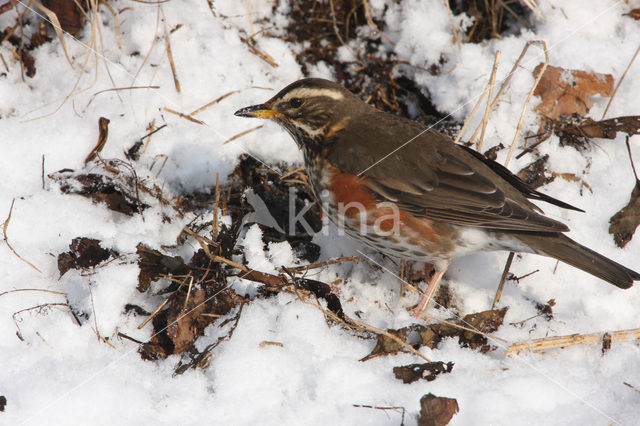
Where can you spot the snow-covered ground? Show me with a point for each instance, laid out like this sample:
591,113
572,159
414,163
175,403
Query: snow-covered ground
60,373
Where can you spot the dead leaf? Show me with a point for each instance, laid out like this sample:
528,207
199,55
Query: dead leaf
535,174
84,253
100,188
428,371
634,13
103,129
431,335
624,223
436,410
567,92
603,129
154,264
71,16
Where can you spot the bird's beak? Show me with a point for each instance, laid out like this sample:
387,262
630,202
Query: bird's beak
259,111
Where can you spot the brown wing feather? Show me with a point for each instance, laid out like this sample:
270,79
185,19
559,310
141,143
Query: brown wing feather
434,178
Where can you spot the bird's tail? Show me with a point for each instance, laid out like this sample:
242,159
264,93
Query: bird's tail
565,249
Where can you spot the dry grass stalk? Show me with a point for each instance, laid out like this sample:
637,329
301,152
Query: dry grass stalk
6,67
176,81
186,299
116,22
185,116
369,19
117,89
454,30
249,13
32,289
216,202
156,158
492,83
546,343
503,279
526,102
615,90
154,313
355,259
262,55
241,134
55,23
213,102
473,112
5,225
269,343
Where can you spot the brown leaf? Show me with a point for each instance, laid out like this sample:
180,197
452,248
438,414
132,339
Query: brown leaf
178,326
154,264
70,15
535,174
431,335
436,410
84,253
103,129
566,92
577,131
428,371
624,223
634,13
100,188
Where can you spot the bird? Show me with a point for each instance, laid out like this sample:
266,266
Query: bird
411,193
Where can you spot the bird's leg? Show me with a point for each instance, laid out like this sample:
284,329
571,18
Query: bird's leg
428,294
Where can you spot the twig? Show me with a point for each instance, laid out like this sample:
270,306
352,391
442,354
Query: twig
213,102
401,409
116,89
172,64
615,90
154,313
335,24
32,289
124,336
369,19
503,279
239,135
186,299
42,171
631,386
355,259
262,55
5,225
185,116
539,345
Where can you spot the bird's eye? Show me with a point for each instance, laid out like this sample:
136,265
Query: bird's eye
295,102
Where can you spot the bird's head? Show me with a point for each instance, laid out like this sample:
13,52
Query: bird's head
312,110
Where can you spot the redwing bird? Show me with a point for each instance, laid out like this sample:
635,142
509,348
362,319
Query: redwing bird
411,193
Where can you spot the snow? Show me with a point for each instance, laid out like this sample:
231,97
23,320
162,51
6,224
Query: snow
61,373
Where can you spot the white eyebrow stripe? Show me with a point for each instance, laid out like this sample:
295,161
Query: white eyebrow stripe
304,92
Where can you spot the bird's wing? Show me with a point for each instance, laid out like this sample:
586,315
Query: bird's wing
433,178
